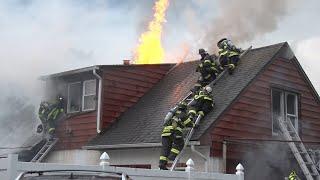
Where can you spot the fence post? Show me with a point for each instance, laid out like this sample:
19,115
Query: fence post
12,166
190,165
104,162
240,171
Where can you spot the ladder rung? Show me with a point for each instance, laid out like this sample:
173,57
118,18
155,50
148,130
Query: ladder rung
309,163
314,174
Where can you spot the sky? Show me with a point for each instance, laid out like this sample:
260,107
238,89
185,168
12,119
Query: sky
40,37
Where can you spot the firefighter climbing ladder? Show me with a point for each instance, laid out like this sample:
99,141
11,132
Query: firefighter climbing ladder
299,151
188,99
45,150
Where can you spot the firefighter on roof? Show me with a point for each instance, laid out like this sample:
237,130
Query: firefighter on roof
202,103
209,68
49,113
228,54
172,135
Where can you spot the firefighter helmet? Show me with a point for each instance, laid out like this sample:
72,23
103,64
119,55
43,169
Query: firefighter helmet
208,89
202,51
182,104
219,44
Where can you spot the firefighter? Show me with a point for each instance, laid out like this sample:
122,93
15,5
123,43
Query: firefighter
228,54
293,176
209,68
202,103
49,113
172,135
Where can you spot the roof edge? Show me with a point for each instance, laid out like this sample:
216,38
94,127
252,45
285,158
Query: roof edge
124,146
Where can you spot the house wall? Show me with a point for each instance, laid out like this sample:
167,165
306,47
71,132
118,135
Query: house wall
123,86
249,117
76,131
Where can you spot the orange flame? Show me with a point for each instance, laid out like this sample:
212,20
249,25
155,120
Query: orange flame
149,50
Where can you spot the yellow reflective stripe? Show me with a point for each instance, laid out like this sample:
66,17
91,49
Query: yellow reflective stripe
179,129
207,76
174,150
166,134
187,121
223,52
201,113
231,66
193,111
233,53
163,158
51,129
168,128
207,61
208,98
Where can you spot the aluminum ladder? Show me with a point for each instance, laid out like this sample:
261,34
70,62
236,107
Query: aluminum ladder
188,99
299,151
44,150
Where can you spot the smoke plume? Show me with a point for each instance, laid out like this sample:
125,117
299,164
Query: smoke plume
243,21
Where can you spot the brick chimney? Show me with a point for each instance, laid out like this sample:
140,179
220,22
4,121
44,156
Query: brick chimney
126,62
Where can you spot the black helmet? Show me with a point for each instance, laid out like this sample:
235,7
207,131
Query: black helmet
221,40
202,51
182,105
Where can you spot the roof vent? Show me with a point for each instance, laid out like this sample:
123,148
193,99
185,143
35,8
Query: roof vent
126,62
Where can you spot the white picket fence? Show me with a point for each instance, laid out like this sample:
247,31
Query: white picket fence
11,168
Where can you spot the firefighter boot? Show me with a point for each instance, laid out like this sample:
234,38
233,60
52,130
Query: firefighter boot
231,68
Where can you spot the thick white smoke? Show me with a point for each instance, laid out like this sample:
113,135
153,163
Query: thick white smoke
43,37
245,20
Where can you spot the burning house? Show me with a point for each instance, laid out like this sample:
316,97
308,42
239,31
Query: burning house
119,109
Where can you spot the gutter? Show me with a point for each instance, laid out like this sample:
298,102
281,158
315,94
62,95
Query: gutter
123,146
99,99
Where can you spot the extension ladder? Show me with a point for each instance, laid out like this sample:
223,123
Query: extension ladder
44,150
298,149
188,99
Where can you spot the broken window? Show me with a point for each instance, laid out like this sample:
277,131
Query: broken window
284,106
89,95
74,97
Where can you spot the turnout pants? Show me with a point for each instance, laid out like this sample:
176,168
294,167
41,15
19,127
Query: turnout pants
171,147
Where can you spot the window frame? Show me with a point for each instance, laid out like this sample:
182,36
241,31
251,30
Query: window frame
283,108
296,115
68,103
85,95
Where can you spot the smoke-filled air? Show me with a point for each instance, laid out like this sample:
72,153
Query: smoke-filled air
43,37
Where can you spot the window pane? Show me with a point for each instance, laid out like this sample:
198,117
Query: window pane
74,97
276,110
89,87
89,102
291,104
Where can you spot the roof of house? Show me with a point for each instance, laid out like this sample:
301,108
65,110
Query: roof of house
143,122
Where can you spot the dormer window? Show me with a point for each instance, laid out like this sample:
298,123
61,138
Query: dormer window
81,96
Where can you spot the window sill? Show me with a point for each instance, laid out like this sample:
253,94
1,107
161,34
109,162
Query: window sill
73,114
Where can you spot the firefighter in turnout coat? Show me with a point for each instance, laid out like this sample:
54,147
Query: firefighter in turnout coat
202,103
172,135
49,113
228,54
209,68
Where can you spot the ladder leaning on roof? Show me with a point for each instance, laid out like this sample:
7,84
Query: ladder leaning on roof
189,99
299,150
44,150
